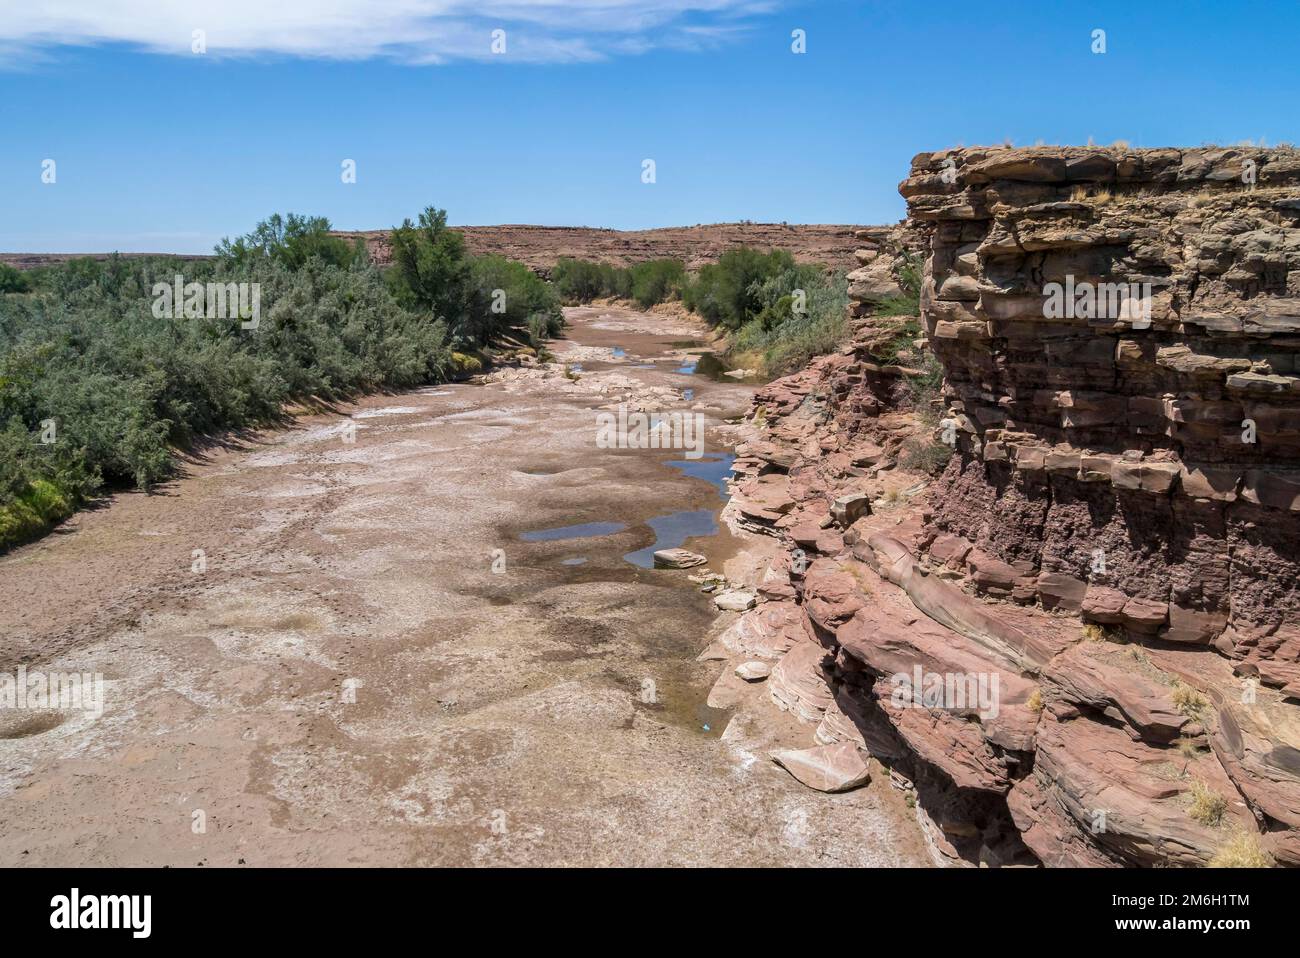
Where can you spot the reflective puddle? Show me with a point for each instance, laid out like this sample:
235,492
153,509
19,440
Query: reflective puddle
712,467
583,530
671,531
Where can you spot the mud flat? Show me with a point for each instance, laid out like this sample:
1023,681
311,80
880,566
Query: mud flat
318,651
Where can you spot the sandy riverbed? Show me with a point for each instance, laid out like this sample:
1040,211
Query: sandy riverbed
500,717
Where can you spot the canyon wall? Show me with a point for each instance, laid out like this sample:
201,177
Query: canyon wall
1114,543
1145,468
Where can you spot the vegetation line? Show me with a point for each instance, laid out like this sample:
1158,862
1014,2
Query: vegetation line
109,368
103,378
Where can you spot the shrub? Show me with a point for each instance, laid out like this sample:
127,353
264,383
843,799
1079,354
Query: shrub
925,456
787,312
13,280
1096,632
124,388
1241,850
431,271
656,281
729,293
33,513
1188,701
802,314
923,390
1208,806
510,296
578,281
539,330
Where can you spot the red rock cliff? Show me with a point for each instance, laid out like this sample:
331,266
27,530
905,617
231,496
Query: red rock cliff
1114,545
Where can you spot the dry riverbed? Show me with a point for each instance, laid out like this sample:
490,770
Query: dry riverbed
360,640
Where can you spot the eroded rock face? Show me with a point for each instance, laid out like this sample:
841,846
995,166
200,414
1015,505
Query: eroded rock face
1114,545
1120,360
1119,332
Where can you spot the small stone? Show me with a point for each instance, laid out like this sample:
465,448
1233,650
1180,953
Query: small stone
753,671
900,781
678,559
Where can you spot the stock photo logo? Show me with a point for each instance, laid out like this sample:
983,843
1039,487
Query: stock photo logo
624,429
182,300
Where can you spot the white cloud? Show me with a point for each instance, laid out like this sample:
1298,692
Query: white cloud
415,31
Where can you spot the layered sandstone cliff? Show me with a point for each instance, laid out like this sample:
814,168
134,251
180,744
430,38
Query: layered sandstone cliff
1114,544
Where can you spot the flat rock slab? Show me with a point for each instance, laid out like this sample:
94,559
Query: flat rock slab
678,559
735,601
754,671
827,768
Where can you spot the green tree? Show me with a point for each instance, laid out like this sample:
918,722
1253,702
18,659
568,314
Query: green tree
13,280
290,241
729,292
431,271
656,281
507,295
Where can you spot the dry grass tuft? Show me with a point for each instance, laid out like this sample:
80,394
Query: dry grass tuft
1188,701
1096,632
1241,850
1208,806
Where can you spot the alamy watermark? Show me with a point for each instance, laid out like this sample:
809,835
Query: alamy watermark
66,691
651,430
1115,301
130,912
957,691
181,300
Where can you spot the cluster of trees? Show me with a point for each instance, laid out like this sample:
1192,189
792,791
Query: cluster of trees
781,310
481,296
787,312
648,284
780,313
96,389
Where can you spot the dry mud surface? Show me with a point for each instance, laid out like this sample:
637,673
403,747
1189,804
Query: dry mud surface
499,718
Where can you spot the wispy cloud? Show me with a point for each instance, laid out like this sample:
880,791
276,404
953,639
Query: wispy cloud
414,31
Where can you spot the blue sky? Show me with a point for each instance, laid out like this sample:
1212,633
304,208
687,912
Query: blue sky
160,149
